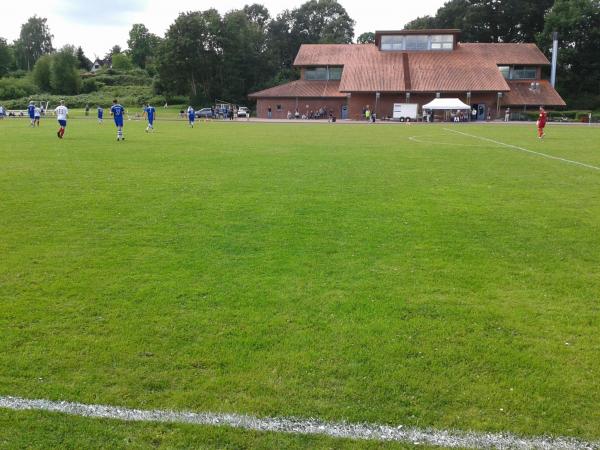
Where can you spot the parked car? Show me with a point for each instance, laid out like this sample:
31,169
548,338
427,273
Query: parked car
204,113
243,112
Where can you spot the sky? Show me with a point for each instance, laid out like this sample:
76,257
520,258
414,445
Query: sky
98,25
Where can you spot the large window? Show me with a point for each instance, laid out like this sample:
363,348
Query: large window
417,42
323,73
518,72
392,43
524,73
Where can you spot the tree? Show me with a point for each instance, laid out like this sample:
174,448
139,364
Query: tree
366,38
489,20
578,25
64,76
324,22
189,58
6,57
121,61
142,45
83,61
42,73
34,41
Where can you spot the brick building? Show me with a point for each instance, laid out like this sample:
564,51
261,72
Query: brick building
411,66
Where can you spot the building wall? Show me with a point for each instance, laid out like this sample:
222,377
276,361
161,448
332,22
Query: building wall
358,101
385,106
302,104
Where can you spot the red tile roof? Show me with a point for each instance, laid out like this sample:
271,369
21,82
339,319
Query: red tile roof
521,94
303,88
470,67
508,54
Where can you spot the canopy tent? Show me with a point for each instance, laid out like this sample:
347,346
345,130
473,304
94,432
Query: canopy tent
446,104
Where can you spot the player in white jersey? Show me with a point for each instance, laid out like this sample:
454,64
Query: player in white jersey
61,115
36,115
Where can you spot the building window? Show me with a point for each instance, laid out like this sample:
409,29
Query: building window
417,42
323,73
278,107
442,42
335,73
505,71
391,43
524,73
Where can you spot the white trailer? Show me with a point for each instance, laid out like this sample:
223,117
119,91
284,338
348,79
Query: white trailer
405,111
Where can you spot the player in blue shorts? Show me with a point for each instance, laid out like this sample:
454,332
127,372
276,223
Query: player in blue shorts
100,114
61,115
150,113
117,111
31,112
191,116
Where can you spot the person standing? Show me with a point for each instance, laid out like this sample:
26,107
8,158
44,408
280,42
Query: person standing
269,112
36,115
541,122
100,115
507,115
118,112
150,113
191,116
62,113
31,112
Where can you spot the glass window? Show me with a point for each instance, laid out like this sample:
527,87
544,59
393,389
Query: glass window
417,42
392,42
335,73
318,73
524,73
505,71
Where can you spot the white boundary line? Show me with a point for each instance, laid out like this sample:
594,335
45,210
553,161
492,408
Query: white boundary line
416,436
568,161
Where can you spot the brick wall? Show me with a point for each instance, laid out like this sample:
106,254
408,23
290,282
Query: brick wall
290,104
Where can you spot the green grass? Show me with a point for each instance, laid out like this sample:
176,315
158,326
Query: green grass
339,272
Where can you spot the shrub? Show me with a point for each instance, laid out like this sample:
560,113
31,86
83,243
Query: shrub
89,85
14,88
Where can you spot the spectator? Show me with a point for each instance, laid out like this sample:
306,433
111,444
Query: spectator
290,116
269,112
297,114
507,115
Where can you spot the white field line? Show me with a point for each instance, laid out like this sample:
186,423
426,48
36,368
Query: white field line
417,436
544,155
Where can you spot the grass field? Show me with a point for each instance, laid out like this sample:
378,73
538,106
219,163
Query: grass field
386,274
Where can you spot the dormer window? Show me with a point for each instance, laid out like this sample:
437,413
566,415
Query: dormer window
323,73
417,42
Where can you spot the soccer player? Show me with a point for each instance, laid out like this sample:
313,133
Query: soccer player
541,122
191,116
36,115
61,115
100,114
31,112
150,112
117,111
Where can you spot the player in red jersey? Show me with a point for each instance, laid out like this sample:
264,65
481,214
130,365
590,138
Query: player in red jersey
541,122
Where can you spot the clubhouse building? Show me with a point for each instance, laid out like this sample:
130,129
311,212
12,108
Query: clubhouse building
411,66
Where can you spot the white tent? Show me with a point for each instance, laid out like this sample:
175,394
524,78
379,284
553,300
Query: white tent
446,104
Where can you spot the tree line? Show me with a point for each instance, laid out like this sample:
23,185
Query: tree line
205,55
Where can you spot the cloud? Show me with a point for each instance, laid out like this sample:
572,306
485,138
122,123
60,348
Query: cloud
100,14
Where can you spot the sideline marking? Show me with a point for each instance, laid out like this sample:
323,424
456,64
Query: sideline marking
416,436
557,158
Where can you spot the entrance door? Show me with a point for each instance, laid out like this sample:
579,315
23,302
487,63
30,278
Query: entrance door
481,113
344,114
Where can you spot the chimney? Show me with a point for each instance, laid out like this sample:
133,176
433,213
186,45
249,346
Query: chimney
554,57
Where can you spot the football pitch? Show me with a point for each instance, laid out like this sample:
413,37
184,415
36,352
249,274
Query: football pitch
442,277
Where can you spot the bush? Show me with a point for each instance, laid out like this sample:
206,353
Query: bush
121,61
89,85
14,88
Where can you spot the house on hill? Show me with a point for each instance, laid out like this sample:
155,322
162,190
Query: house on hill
100,64
412,66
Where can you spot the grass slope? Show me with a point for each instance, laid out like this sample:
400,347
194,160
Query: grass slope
339,272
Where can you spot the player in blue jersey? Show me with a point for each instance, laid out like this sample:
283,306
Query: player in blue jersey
31,112
117,111
191,116
100,114
150,113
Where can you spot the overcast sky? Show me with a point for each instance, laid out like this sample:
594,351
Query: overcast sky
97,25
